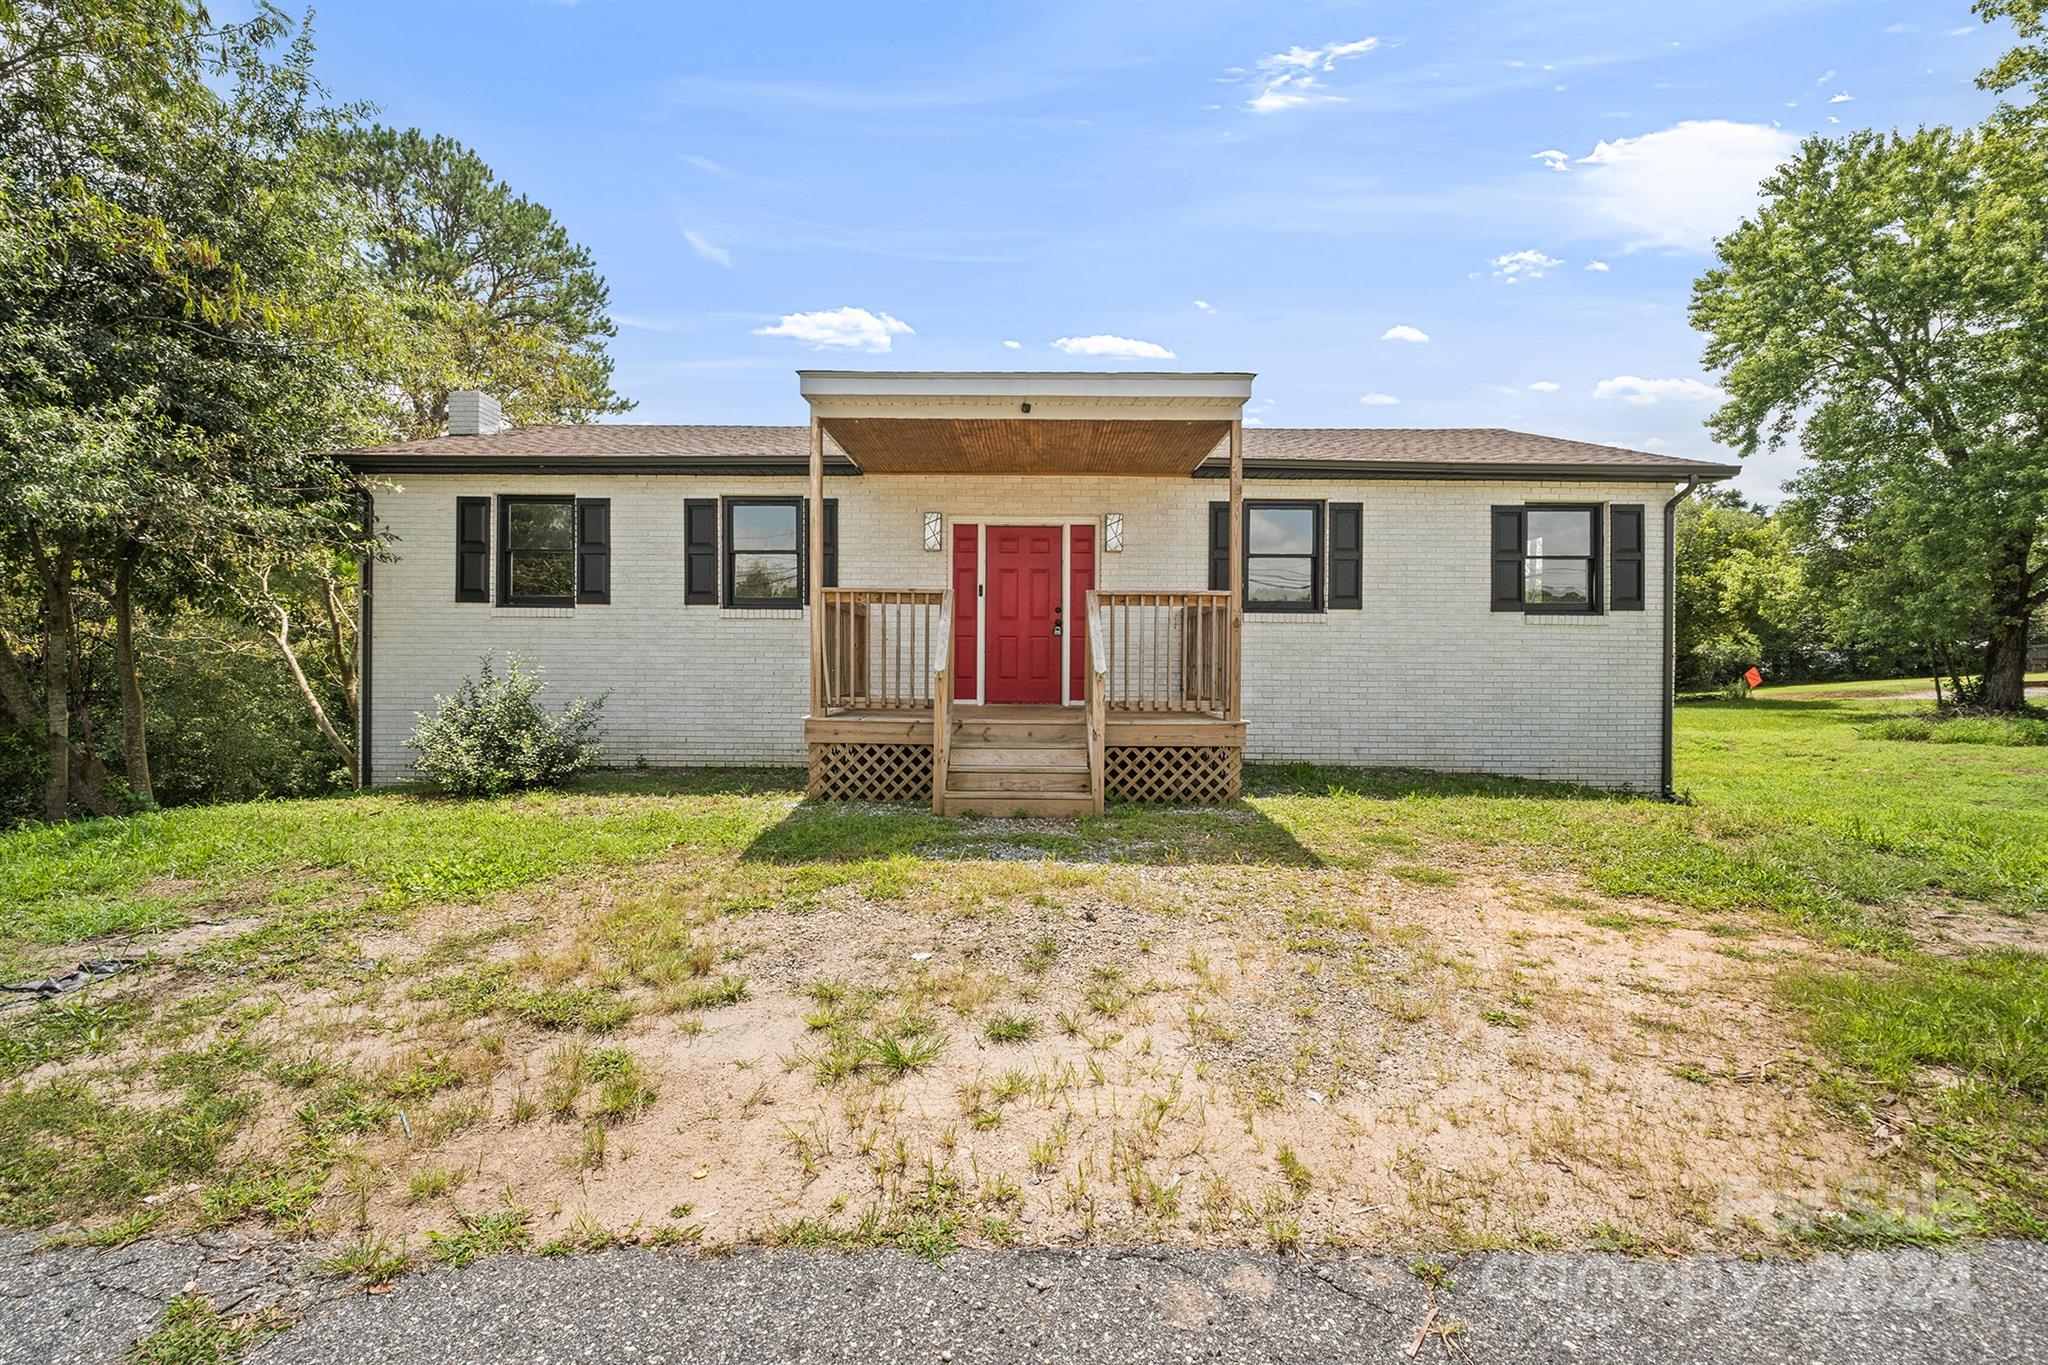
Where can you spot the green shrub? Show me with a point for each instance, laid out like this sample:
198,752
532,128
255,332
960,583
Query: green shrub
493,735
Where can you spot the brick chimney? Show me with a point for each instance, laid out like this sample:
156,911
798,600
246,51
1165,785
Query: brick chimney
474,414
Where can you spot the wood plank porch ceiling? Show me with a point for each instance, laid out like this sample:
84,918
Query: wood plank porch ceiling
952,445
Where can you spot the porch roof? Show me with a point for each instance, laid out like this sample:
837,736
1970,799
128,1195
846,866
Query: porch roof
1018,422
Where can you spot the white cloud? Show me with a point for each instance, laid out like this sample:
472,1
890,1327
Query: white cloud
1682,186
708,166
1287,80
1965,31
1403,332
1825,76
855,328
1634,389
1556,160
1598,265
1378,400
1204,306
1013,345
1843,98
1121,348
1545,386
717,255
1527,264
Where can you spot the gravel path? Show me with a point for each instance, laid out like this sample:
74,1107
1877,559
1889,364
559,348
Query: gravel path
649,1307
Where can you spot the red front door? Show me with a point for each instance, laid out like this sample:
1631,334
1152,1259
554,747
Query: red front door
1022,655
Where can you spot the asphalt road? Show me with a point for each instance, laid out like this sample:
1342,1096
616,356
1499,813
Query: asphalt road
666,1308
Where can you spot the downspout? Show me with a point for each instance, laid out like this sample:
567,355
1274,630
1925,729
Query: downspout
1671,623
365,774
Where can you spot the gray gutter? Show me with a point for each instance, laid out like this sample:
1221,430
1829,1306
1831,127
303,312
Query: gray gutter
584,464
1671,626
1411,469
369,463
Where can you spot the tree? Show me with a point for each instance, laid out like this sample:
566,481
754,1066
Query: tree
1888,303
497,296
183,327
1742,593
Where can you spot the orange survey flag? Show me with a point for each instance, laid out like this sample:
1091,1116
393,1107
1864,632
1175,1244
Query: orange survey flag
1754,677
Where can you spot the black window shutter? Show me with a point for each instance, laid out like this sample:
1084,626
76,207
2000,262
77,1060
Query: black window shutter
1508,540
700,552
472,549
594,550
1347,556
1219,547
830,568
1628,557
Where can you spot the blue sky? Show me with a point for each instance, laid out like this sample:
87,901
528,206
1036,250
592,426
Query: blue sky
1290,189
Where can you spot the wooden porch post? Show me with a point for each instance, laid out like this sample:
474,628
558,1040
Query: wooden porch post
815,560
1236,569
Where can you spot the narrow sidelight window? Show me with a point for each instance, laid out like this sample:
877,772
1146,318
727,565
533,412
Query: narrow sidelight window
764,564
537,552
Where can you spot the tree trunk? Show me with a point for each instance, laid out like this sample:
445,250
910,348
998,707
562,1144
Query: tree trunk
56,575
2005,666
282,638
338,629
2005,657
134,720
19,707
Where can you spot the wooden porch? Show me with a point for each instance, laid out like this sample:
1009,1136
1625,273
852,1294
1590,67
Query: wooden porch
1157,721
1159,711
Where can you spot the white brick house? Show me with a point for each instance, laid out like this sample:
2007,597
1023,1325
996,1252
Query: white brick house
1027,590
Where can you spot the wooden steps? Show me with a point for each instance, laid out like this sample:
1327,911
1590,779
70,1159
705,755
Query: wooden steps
1025,760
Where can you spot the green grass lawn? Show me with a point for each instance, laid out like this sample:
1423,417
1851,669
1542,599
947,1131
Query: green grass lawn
1794,806
1821,810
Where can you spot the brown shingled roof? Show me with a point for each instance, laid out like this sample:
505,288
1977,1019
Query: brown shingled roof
1388,450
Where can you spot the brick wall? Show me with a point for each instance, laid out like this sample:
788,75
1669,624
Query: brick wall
1426,675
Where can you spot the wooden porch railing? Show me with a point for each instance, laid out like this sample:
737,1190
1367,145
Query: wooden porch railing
1165,651
942,703
883,648
1097,696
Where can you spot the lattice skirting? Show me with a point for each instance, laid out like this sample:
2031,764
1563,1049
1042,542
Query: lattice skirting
1196,775
871,772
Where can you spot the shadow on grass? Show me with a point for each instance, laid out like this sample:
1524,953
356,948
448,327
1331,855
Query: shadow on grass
829,831
1402,784
691,782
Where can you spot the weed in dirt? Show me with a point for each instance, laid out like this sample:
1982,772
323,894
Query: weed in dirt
623,1092
481,1234
372,1260
712,994
1010,1028
573,1007
898,1054
1038,959
1298,1176
194,1332
428,1185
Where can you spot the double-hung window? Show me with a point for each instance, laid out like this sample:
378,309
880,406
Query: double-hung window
1546,559
764,552
1283,553
537,552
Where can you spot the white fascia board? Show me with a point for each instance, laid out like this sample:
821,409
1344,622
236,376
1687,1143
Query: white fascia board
1217,389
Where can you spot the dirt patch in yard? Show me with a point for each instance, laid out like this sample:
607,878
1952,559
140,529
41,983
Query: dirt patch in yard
1004,1051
